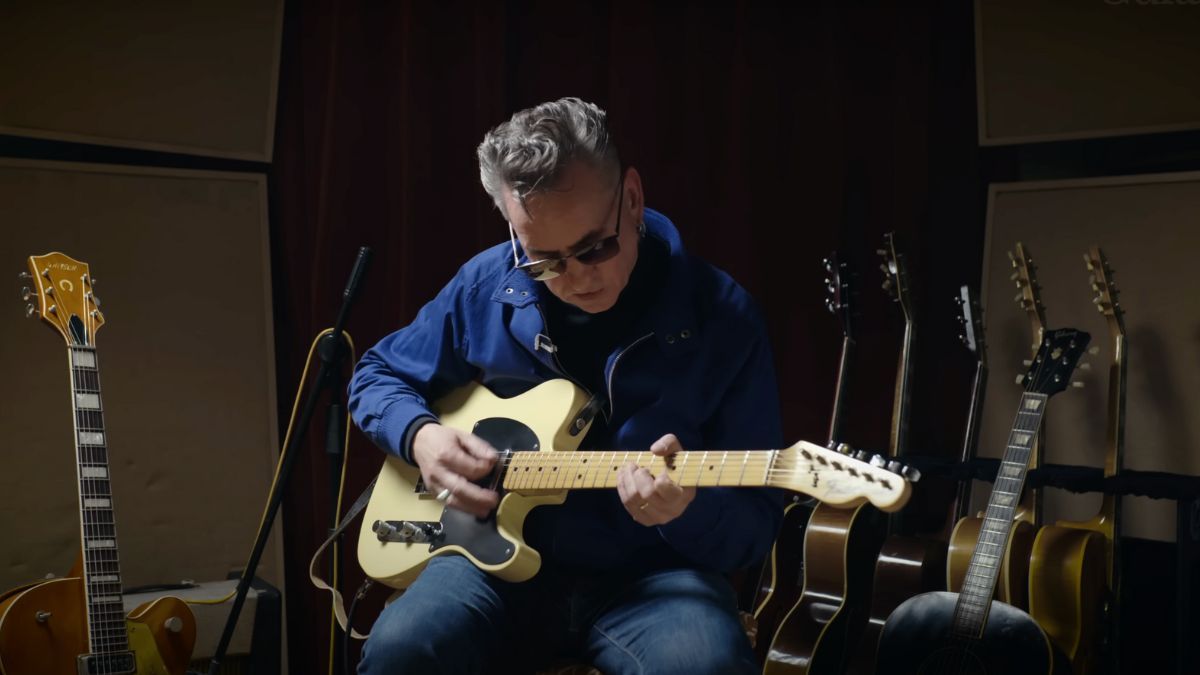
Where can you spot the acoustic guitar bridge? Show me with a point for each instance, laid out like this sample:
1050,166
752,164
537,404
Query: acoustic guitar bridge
407,531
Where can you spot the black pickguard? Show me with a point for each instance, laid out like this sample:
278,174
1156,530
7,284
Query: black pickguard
916,640
480,536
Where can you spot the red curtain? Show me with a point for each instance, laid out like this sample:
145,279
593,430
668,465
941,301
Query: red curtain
752,125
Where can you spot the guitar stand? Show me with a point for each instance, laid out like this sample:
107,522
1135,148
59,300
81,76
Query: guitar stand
1183,490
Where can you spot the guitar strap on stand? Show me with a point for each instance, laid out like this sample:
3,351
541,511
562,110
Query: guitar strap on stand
339,605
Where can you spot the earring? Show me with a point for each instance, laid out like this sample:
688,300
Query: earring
641,229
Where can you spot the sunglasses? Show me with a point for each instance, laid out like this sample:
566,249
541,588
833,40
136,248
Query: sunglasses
592,254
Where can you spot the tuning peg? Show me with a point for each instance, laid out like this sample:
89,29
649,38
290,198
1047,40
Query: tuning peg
1012,257
911,473
93,298
881,252
1093,350
53,310
862,456
878,460
26,293
30,310
843,448
1018,297
1084,366
1027,362
1078,384
24,276
894,466
1021,379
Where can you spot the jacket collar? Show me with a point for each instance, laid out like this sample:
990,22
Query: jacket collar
672,319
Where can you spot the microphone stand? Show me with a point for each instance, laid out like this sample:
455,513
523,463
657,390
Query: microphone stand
332,350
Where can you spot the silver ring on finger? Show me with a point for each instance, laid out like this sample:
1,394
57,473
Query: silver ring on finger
444,496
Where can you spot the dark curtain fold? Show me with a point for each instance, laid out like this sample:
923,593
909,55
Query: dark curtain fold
750,123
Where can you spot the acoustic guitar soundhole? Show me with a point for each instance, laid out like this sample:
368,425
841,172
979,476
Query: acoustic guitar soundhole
952,661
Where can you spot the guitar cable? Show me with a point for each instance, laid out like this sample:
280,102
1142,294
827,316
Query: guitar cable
341,490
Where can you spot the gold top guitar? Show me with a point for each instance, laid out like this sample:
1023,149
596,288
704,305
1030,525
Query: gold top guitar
78,624
1073,566
404,526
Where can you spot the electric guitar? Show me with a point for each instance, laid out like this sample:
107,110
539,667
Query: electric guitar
537,434
783,576
1074,569
968,632
77,624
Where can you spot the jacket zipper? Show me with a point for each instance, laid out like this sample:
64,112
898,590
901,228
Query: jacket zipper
554,355
612,403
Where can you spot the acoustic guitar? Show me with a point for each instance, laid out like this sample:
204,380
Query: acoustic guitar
906,564
968,631
1013,587
1074,572
783,575
77,625
537,434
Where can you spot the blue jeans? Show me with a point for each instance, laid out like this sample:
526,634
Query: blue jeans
457,619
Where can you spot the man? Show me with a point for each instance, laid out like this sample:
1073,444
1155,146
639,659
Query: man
594,287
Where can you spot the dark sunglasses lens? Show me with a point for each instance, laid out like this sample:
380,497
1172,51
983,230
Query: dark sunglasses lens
540,270
604,249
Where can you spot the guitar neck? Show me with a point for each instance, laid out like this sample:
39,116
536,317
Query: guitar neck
839,392
1110,508
962,498
979,584
898,445
98,534
598,469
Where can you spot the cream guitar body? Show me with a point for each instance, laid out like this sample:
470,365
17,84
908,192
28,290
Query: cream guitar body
405,526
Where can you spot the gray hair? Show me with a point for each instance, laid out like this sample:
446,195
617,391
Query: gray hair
528,153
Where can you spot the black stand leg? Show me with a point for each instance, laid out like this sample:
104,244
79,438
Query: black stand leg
328,366
1187,546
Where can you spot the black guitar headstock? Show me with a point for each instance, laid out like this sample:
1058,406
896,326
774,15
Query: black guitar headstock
1056,358
839,292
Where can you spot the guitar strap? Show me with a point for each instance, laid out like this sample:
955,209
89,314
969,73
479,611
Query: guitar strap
339,607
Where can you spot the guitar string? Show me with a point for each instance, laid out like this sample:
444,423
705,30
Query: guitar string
957,657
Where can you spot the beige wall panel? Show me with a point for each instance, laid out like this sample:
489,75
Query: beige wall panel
1085,68
196,77
186,363
1147,227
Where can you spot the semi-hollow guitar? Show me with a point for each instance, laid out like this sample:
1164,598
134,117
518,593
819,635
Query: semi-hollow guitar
969,632
77,625
783,575
537,433
1074,570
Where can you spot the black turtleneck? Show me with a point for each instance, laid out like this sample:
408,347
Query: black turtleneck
586,340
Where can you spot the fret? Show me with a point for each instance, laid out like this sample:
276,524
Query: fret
90,454
745,460
102,532
95,488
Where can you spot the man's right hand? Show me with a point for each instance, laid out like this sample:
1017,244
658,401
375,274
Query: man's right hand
450,459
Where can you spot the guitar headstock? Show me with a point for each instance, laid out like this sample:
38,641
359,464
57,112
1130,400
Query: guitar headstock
839,291
1106,290
895,275
60,290
1030,298
844,478
1056,359
970,316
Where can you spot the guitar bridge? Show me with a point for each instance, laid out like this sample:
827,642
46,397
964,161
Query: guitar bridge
117,663
407,531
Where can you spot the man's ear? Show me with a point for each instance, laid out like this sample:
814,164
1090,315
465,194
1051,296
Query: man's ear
635,195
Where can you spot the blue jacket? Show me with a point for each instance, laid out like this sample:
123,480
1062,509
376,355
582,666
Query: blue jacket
699,367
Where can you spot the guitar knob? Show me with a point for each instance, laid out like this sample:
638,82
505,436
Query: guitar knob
173,624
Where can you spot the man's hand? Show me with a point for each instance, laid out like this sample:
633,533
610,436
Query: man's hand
449,460
651,500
